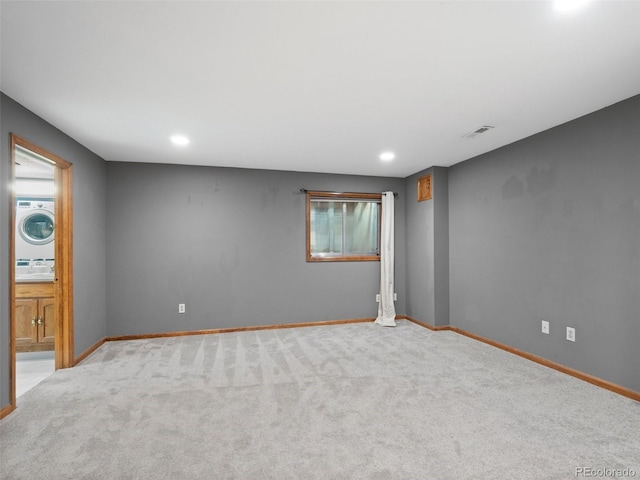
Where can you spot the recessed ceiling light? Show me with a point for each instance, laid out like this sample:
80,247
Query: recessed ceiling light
387,156
567,5
179,140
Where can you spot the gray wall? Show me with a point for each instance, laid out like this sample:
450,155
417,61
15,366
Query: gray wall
441,245
420,291
549,229
89,212
427,243
230,244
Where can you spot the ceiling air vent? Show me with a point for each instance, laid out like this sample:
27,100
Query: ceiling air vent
478,131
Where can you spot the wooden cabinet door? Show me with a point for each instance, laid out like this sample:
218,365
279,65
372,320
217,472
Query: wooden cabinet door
25,328
46,320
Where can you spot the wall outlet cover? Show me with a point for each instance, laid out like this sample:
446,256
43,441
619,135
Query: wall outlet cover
571,334
545,327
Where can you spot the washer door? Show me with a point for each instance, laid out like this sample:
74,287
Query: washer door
36,227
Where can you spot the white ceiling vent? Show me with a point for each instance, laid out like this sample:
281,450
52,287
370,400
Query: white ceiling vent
478,131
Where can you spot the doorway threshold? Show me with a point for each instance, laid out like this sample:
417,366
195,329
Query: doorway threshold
32,368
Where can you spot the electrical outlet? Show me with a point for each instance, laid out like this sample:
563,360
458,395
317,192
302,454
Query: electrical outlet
181,308
571,334
377,298
545,327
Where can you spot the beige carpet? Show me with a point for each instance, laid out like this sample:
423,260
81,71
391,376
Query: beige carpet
354,401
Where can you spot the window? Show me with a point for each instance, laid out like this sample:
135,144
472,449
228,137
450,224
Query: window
343,226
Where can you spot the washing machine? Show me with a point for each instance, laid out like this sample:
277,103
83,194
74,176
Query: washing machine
35,227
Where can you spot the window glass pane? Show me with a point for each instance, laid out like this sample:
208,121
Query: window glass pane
361,228
326,228
343,227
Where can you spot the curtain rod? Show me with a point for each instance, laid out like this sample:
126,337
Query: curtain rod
304,191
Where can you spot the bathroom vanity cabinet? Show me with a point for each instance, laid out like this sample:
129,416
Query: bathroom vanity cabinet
35,317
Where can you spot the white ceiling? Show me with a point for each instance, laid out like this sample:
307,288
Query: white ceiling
314,86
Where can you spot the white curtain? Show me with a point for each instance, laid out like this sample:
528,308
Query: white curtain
386,307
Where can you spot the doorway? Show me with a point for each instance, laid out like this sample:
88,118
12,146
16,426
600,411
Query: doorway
41,314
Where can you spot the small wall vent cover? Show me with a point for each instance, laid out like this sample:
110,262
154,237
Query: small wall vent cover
424,188
478,131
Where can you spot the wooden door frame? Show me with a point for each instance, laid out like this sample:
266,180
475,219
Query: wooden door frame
63,280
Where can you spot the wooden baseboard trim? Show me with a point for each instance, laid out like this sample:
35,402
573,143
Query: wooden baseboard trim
425,325
6,410
88,351
620,390
237,329
613,387
599,382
